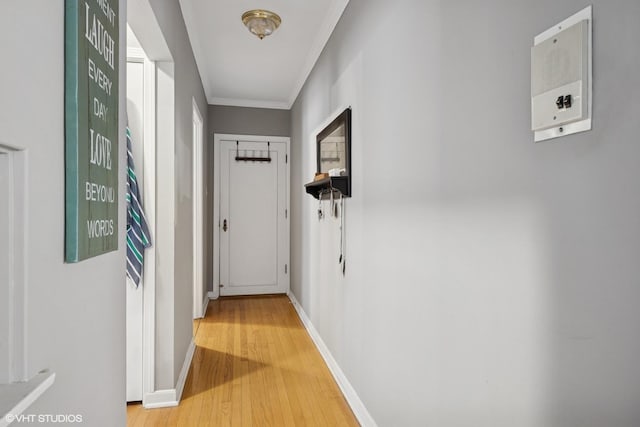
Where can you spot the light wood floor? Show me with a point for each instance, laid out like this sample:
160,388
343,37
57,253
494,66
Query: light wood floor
254,365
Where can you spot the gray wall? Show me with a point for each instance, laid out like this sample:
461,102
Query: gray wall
249,121
76,312
491,281
175,298
241,121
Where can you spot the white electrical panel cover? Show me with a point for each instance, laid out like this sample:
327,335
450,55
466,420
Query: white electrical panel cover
561,78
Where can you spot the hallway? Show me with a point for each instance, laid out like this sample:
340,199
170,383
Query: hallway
448,267
254,364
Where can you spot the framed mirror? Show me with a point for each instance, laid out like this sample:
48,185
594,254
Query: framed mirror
333,153
334,146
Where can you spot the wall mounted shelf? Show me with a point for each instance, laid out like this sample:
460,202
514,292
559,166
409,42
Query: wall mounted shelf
339,184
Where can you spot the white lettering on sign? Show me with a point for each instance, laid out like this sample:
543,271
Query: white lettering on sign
98,76
100,228
99,109
99,37
108,12
99,193
100,150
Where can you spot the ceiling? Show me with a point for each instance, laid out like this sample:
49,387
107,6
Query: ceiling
237,68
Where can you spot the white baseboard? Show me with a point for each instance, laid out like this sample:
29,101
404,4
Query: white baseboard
205,304
171,397
357,406
160,399
212,296
185,369
18,397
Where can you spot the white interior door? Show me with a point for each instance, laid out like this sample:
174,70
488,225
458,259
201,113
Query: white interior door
254,224
145,80
135,296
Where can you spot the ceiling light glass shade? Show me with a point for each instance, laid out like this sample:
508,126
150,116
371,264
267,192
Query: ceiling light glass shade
261,22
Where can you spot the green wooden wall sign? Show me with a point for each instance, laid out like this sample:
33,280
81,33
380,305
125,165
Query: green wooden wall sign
91,128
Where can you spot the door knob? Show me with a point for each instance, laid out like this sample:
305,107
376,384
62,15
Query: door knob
224,225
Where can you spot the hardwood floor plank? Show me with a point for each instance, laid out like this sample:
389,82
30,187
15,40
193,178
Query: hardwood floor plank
254,365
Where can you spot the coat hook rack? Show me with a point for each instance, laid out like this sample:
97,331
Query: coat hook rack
240,158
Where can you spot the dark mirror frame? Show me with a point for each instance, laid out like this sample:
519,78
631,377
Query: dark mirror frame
343,118
340,185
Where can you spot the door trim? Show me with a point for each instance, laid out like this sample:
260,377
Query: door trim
216,199
197,205
15,292
149,202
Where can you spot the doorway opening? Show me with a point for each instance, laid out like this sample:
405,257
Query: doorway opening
141,108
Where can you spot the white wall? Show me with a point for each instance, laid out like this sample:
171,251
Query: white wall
75,312
491,281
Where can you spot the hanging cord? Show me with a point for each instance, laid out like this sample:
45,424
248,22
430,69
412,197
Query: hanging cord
340,257
320,213
342,260
331,204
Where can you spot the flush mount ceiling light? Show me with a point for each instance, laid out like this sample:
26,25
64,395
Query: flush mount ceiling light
261,22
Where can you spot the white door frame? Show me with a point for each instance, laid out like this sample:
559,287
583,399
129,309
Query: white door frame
13,294
199,300
216,196
149,203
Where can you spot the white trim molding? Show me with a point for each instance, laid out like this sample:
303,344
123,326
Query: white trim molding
150,189
17,397
198,206
160,399
212,295
357,406
135,54
171,397
250,103
13,292
185,369
205,305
